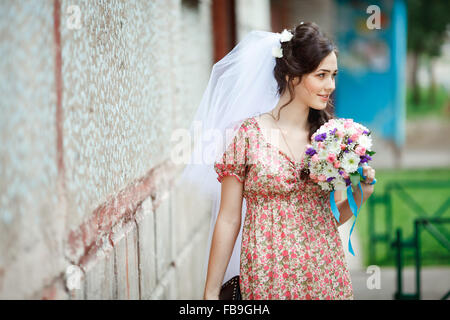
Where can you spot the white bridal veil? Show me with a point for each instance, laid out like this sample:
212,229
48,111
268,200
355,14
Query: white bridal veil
241,85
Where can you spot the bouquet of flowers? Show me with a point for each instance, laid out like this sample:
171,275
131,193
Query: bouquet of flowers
339,149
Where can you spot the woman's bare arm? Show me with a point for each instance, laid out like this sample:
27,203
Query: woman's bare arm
224,236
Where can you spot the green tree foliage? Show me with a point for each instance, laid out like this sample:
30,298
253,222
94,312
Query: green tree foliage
428,23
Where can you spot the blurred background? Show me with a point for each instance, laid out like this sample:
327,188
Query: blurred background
92,92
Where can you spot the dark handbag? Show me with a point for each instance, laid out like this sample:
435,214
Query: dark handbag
231,290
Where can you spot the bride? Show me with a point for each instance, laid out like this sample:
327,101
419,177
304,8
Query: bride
271,225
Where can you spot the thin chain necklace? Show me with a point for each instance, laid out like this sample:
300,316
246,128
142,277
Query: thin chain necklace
284,138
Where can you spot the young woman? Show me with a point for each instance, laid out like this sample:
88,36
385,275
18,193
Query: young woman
290,247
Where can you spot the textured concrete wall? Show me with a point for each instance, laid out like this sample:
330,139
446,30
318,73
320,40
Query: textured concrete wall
88,110
31,225
252,15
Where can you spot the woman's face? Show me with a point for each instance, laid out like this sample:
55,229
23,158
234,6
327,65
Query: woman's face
316,87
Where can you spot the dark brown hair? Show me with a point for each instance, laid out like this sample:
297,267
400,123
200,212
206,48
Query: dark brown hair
302,55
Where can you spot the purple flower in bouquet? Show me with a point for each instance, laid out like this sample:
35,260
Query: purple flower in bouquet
320,137
348,182
311,152
365,158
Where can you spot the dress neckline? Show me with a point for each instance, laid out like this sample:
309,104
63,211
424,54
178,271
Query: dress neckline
293,161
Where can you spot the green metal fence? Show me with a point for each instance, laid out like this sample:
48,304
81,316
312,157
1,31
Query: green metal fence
415,244
424,220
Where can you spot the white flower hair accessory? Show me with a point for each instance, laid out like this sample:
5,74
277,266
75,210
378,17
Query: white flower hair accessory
285,36
277,52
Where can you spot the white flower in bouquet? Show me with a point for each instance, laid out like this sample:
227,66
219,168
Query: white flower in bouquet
365,142
323,154
330,171
350,162
335,147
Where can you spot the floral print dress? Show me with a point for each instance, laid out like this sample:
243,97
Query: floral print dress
291,248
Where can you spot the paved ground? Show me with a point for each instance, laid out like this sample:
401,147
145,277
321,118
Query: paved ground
354,262
435,283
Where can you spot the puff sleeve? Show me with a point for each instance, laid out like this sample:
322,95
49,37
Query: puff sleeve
234,160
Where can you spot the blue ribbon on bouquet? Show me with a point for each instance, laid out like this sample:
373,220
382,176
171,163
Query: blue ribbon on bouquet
352,204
